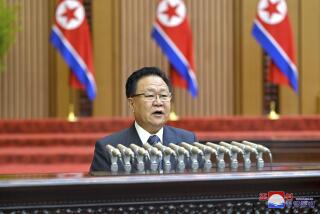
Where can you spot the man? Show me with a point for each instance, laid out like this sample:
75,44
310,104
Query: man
149,93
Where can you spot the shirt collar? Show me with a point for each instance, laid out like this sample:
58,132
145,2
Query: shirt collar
144,135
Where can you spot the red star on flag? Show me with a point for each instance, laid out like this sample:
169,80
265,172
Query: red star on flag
171,11
69,14
272,8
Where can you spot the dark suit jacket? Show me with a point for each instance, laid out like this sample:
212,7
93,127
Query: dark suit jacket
101,159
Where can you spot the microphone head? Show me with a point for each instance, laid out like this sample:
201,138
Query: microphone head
113,151
117,153
125,150
263,149
257,146
217,147
191,148
231,147
196,150
165,150
152,150
248,143
222,143
179,149
138,150
147,146
205,148
244,147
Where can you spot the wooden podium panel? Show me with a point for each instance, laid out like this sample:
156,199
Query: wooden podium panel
191,192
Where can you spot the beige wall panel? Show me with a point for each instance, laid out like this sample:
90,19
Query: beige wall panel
251,62
310,56
237,52
289,100
63,91
212,26
106,57
137,47
24,84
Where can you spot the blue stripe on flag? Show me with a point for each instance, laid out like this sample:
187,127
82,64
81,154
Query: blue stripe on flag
175,60
276,56
75,66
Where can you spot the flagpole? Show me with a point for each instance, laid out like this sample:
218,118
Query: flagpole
71,115
173,116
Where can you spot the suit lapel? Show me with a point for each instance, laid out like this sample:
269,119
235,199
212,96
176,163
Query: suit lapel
133,136
168,136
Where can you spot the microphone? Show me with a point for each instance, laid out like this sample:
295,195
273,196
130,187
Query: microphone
233,154
179,150
231,147
127,157
194,152
114,155
165,150
220,149
207,154
192,149
113,151
139,150
220,157
261,149
205,148
245,147
125,151
155,157
246,154
139,154
257,146
152,150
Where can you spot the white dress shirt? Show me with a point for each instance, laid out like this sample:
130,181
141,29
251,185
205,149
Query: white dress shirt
144,135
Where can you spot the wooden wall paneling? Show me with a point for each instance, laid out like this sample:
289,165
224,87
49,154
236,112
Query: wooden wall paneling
106,56
251,62
212,33
24,84
137,47
309,56
237,45
63,91
52,66
119,101
209,21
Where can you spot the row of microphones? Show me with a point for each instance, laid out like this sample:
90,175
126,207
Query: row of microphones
186,156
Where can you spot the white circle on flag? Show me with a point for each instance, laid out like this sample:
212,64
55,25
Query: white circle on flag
70,14
171,13
272,11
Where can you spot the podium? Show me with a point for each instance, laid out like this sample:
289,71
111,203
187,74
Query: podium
188,192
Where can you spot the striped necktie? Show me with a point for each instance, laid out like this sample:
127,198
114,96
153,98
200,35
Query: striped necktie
153,139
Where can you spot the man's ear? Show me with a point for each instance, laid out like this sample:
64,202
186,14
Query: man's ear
130,102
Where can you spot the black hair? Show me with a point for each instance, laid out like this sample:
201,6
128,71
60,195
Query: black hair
131,84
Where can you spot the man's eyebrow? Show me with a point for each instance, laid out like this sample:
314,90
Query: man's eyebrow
154,90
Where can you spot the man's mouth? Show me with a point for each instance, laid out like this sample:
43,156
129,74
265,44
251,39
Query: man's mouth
158,113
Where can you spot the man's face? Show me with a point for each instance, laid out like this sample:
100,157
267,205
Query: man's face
150,115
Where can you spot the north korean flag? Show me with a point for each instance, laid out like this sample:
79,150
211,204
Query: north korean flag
71,37
173,34
272,29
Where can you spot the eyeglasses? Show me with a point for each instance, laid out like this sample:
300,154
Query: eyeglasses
164,97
